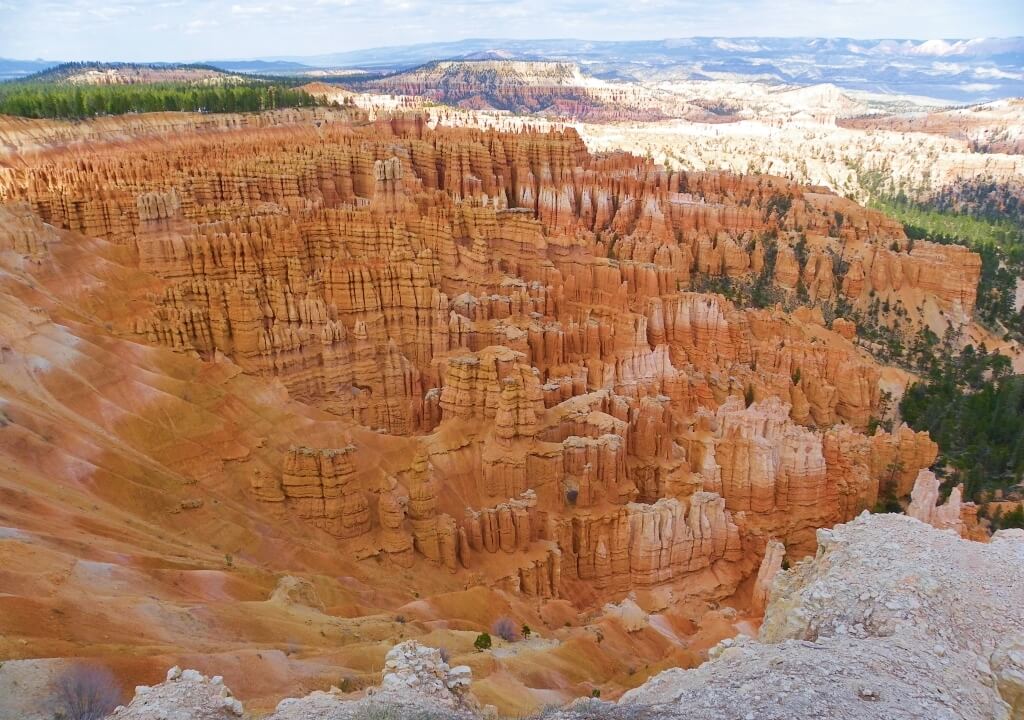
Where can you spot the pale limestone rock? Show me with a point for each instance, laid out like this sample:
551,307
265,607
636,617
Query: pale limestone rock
185,695
630,615
291,590
924,504
771,563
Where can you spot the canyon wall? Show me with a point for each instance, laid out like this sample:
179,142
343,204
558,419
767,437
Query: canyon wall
519,326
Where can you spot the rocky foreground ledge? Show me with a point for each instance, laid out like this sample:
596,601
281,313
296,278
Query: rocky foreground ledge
892,619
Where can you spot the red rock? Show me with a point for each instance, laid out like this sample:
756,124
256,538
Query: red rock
508,320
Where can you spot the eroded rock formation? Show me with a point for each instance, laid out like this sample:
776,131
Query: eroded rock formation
535,395
925,505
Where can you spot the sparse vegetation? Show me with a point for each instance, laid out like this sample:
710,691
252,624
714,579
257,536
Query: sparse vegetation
505,628
759,291
998,520
483,641
85,692
779,205
394,711
764,291
594,709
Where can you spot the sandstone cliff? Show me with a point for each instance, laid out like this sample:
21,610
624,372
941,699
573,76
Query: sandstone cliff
433,369
520,307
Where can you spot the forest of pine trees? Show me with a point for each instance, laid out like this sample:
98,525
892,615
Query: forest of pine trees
72,102
974,409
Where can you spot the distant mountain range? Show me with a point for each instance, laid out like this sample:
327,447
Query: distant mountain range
14,69
958,71
962,71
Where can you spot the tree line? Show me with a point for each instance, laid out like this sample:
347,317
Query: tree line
999,241
75,102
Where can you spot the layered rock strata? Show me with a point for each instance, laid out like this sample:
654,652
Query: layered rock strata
517,318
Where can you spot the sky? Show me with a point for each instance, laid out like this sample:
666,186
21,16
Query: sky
189,30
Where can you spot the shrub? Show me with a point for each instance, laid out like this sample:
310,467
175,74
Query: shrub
86,692
505,628
392,711
526,631
482,642
595,709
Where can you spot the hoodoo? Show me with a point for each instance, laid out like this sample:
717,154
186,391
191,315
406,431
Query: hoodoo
480,380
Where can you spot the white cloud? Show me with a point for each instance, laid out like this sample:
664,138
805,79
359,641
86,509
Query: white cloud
250,9
977,87
105,12
125,29
194,27
988,73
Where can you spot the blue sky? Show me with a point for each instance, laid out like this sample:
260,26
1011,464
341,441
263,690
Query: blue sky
219,29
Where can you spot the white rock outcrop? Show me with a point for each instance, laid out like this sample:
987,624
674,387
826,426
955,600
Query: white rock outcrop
419,669
416,682
892,620
628,613
771,564
185,695
924,503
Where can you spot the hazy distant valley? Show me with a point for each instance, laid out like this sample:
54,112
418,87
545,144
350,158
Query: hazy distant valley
958,71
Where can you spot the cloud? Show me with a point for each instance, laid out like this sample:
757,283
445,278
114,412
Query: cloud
178,29
199,25
107,11
250,9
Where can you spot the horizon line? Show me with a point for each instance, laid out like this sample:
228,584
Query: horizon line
280,57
